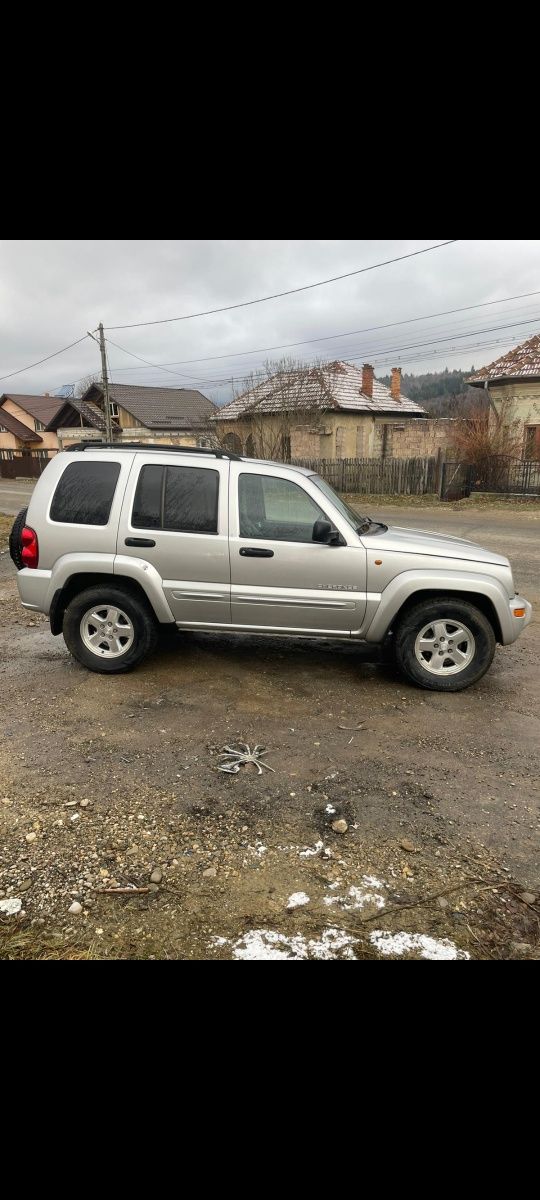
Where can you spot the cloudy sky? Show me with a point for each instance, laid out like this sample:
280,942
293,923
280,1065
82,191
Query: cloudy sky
52,292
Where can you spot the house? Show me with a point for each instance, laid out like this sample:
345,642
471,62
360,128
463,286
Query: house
335,410
176,416
513,382
23,421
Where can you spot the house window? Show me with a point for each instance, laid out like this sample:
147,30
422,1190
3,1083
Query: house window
531,449
39,426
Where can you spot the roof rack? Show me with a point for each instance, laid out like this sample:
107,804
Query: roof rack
81,446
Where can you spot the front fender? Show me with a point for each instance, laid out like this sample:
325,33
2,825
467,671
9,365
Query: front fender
404,586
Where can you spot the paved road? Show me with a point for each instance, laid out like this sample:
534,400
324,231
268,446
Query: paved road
15,494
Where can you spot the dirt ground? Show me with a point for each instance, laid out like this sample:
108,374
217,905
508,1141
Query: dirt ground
106,781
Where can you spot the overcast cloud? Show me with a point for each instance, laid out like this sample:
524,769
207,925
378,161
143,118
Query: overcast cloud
53,292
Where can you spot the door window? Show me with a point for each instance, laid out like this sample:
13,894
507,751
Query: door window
276,509
184,499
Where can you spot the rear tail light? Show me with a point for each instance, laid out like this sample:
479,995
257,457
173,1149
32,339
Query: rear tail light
30,547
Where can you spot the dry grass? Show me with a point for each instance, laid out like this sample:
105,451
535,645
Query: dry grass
5,527
480,500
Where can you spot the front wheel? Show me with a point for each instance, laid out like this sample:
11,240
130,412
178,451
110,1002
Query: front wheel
444,644
107,630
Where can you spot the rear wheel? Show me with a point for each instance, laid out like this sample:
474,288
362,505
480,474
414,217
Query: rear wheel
15,542
109,631
444,644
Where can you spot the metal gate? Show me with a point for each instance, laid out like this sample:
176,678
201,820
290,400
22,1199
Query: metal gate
456,480
23,464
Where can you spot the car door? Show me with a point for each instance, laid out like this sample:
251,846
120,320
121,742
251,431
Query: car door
175,517
280,578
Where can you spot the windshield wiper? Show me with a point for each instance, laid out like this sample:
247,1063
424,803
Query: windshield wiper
367,525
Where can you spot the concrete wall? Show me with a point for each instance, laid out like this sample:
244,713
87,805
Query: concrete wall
343,435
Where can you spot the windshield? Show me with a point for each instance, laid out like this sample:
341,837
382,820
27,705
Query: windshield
353,518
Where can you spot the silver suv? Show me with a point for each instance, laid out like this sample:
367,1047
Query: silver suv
120,540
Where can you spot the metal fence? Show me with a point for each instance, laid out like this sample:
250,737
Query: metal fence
23,464
507,475
376,476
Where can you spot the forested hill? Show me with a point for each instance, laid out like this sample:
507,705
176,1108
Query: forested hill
441,393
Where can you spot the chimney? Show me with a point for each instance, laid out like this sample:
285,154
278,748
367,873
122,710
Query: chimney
367,380
395,385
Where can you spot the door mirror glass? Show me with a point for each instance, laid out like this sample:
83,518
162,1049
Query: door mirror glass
323,531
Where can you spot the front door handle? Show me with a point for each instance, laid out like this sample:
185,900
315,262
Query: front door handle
254,552
139,542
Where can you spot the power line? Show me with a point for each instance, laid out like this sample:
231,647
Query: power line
333,336
22,370
367,351
278,295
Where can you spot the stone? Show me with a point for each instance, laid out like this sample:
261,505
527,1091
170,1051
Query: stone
528,897
84,804
407,845
153,887
25,887
442,902
30,837
75,908
340,826
156,876
210,873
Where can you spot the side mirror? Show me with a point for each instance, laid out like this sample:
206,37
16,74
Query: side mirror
324,532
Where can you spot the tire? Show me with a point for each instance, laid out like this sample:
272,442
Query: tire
15,544
458,664
135,623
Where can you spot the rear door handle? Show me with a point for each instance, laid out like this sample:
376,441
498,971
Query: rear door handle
254,552
139,542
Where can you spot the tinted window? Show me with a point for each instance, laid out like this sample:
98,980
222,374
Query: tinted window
179,498
148,499
276,509
84,493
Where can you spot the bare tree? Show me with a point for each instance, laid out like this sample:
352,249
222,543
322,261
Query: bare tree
85,383
280,400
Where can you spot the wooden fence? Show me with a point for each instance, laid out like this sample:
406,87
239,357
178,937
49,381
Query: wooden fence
376,476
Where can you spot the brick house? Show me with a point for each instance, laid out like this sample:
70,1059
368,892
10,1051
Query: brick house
331,411
174,416
24,420
514,380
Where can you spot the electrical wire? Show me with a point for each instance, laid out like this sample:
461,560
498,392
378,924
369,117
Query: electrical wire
333,336
278,295
22,370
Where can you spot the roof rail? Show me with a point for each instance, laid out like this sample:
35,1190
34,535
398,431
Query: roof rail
90,445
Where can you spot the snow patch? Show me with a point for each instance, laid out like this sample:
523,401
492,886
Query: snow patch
297,899
310,851
403,943
356,897
330,810
259,944
10,906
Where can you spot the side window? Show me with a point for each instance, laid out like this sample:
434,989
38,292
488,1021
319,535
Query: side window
84,493
184,499
276,509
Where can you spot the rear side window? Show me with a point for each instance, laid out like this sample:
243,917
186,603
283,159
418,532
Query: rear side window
184,499
85,492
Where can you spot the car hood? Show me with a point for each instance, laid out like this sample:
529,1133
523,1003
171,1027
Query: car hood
420,541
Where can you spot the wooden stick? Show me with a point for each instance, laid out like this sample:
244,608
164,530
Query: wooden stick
129,891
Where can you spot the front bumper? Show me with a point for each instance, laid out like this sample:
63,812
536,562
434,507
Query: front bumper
517,624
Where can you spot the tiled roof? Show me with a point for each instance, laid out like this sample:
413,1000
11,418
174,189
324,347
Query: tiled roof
72,409
523,362
161,408
336,385
42,408
23,432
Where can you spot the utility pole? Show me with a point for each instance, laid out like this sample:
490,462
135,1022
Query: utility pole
105,385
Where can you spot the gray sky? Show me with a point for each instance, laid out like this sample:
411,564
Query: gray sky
52,292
